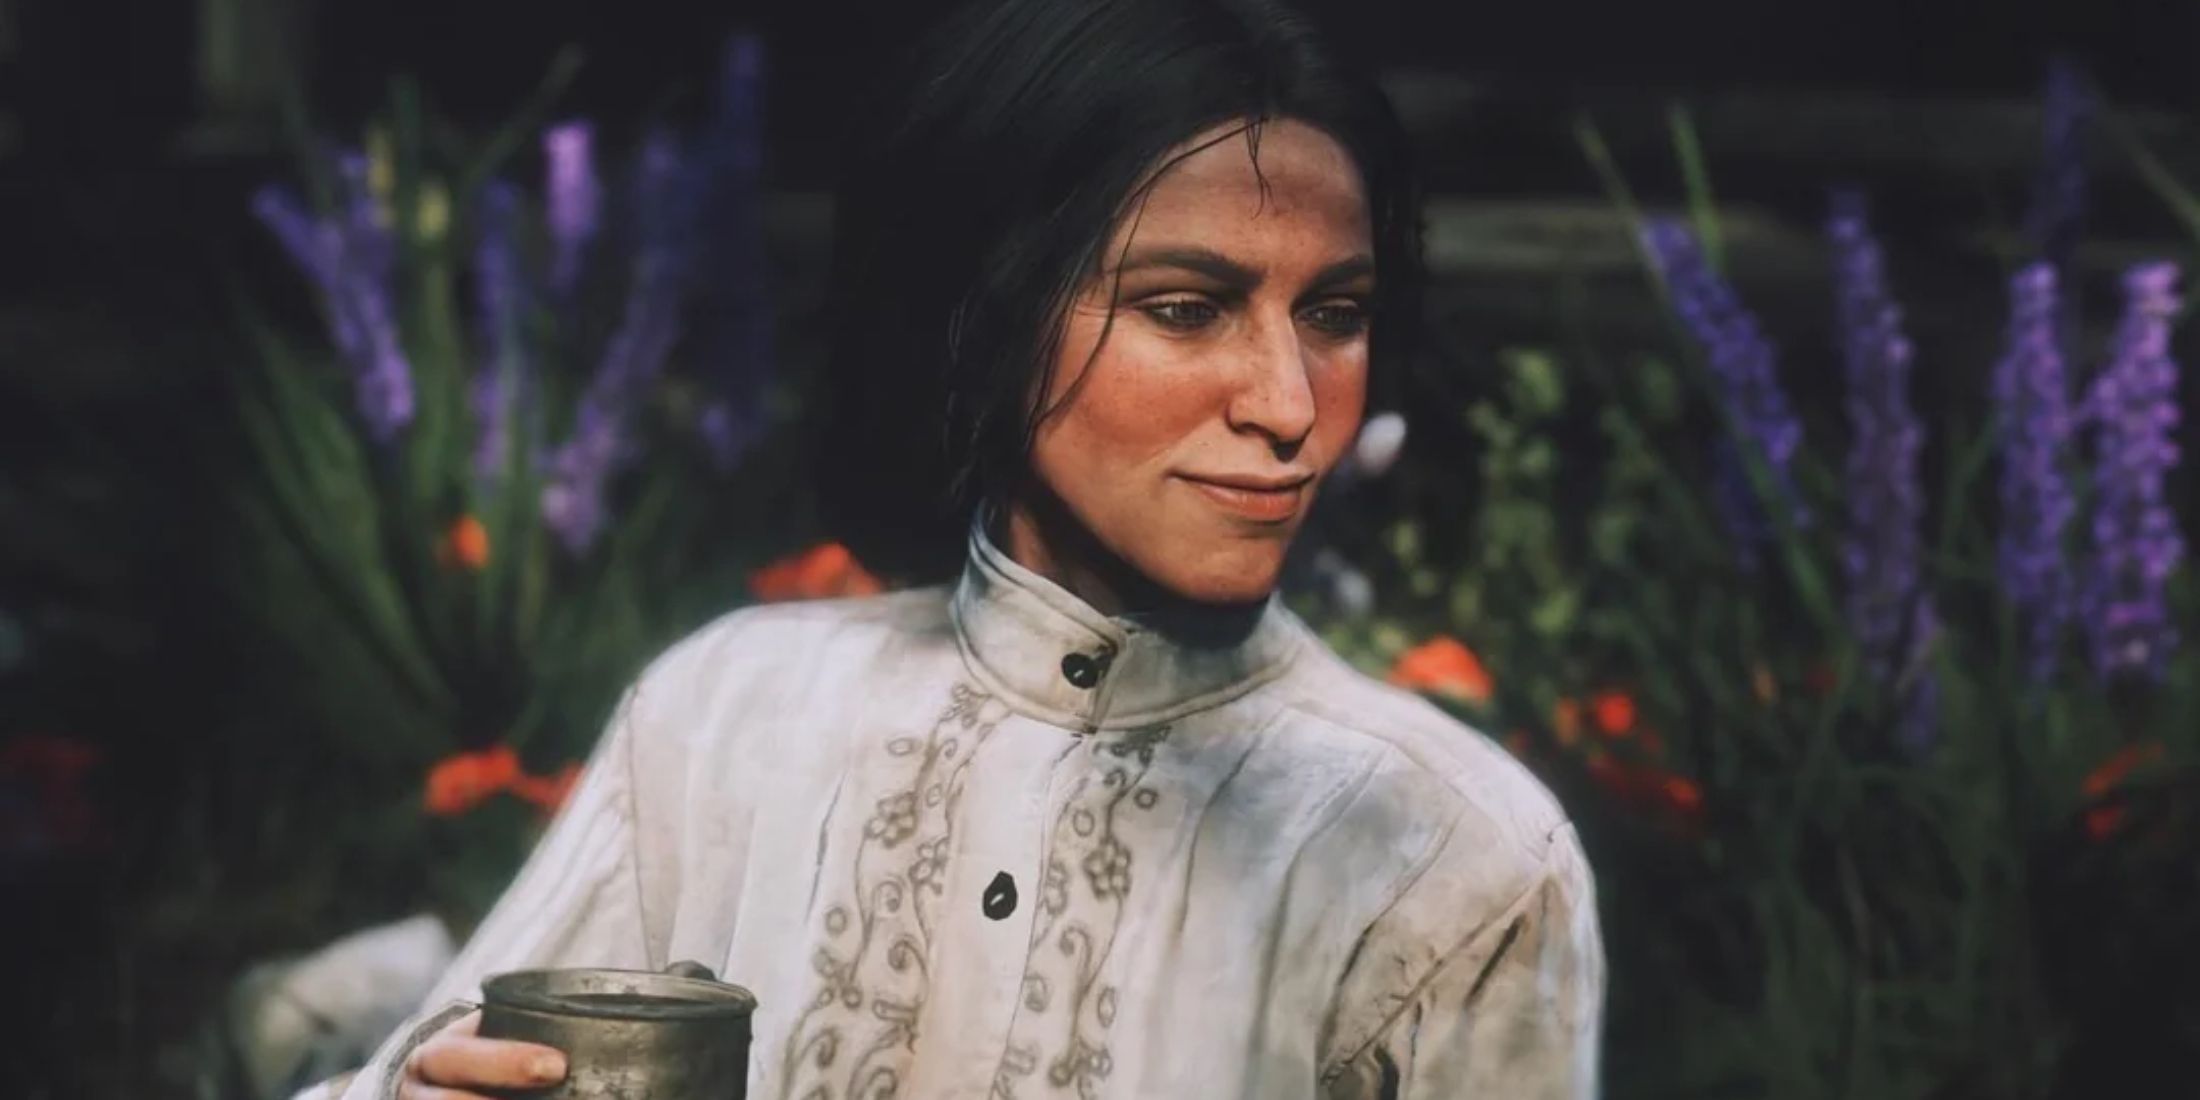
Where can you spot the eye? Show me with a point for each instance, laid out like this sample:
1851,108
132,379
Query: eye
1181,314
1340,318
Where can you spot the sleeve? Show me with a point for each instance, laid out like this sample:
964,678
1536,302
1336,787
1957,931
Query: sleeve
1514,1009
576,902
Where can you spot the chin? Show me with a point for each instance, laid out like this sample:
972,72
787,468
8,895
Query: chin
1238,576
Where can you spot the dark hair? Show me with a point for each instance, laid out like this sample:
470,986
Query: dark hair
1006,150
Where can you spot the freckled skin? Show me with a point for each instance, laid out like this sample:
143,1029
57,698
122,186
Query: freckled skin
1194,375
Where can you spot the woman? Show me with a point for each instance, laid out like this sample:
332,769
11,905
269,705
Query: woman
1093,815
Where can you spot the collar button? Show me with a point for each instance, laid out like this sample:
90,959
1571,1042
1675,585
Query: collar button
1082,670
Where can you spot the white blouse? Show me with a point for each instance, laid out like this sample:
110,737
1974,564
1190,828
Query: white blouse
983,841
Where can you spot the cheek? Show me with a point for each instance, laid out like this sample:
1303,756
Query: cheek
1340,401
1132,408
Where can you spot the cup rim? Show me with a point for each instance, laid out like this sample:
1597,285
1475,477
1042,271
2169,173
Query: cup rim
572,991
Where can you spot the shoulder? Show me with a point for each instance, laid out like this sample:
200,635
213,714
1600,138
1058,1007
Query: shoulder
765,657
1433,774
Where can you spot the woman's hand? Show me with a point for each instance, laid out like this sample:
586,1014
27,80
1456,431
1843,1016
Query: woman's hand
455,1060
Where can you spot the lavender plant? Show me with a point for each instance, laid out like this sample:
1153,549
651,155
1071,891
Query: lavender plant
2032,402
1742,360
2136,546
1890,610
476,525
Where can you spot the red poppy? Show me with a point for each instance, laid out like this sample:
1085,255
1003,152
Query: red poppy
1614,713
465,545
823,571
548,793
1681,795
460,782
1642,788
2119,766
2101,821
1443,666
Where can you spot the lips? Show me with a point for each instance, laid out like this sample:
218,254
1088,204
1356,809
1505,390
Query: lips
1255,498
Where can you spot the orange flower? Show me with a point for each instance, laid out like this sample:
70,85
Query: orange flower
1614,713
548,793
1762,684
2119,766
823,571
2101,821
1647,789
1443,666
465,545
1681,795
1566,722
462,781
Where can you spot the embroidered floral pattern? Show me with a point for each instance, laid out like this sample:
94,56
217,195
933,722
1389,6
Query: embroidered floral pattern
1064,995
1054,889
929,872
874,958
895,820
1109,868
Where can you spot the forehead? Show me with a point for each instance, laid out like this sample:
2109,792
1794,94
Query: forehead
1299,190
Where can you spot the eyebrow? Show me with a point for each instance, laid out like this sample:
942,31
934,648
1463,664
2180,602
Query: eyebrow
1222,269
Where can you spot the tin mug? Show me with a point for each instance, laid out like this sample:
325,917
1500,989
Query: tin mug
627,1034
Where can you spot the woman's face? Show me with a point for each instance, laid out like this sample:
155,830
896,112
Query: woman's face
1210,374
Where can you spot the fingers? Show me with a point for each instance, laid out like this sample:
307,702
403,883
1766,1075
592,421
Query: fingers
458,1058
414,1091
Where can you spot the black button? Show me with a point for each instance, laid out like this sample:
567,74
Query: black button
1000,897
1081,669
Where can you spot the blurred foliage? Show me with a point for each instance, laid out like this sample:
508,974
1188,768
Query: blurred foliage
488,576
1794,905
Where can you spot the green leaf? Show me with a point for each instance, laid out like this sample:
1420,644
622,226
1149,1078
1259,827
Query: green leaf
1554,614
2180,200
1599,154
524,123
1696,177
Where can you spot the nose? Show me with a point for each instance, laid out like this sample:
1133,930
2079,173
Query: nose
1274,397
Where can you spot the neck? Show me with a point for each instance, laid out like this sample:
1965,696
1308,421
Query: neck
1042,536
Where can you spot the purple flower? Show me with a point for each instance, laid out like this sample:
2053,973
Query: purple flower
2136,544
1888,606
2056,217
349,258
579,473
502,385
2033,403
310,243
734,324
1741,359
580,469
365,223
573,200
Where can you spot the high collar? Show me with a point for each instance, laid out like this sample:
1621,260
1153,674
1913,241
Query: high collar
1032,642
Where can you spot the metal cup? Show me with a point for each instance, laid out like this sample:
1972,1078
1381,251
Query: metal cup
627,1034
